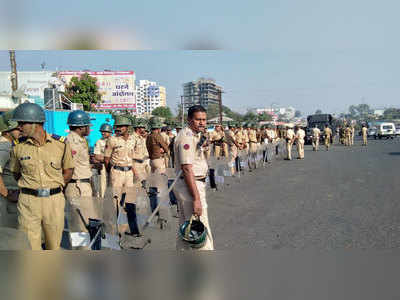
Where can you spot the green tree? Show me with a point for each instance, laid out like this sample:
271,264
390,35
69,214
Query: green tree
264,117
391,113
318,112
163,112
297,114
83,90
250,117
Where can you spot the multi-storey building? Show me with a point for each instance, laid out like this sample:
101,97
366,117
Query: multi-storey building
149,95
201,92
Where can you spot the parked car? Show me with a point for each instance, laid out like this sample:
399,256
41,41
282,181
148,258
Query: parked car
397,129
371,131
387,130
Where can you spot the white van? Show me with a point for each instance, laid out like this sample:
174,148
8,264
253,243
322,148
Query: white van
387,130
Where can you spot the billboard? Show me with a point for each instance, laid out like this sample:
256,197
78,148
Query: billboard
117,88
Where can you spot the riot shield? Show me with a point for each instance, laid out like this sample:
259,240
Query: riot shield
158,195
243,160
90,223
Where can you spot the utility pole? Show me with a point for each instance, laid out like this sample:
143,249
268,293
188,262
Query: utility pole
14,79
183,111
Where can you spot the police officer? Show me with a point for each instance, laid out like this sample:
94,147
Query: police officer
165,136
315,138
118,159
8,185
140,154
252,142
99,148
290,136
364,132
79,190
156,147
347,135
327,136
231,141
190,189
42,164
217,139
171,145
300,135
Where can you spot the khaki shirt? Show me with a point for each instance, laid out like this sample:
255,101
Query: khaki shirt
5,155
252,136
364,131
327,132
216,136
316,132
290,134
154,143
165,137
41,166
139,147
187,152
80,155
300,135
230,138
246,136
120,150
100,147
239,137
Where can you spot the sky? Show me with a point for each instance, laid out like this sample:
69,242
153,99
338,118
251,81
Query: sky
308,54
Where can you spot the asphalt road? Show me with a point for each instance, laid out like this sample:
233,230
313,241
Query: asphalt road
345,198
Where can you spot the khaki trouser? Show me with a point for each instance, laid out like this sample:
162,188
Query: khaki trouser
233,155
289,149
327,142
103,182
185,204
79,194
300,148
315,143
365,140
166,161
140,169
347,140
157,165
217,151
42,213
8,213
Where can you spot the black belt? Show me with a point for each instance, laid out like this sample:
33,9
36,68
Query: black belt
125,169
202,179
41,192
86,180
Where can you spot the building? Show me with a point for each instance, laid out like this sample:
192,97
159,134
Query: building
30,83
286,112
201,92
149,95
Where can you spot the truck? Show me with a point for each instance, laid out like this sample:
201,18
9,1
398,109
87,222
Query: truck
320,120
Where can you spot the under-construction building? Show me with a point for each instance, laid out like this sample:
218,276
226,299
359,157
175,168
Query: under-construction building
201,92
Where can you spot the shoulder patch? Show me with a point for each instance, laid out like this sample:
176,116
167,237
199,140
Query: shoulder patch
58,138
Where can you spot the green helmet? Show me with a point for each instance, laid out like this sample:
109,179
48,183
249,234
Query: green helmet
155,123
122,121
78,118
193,232
140,123
28,112
178,126
106,128
6,124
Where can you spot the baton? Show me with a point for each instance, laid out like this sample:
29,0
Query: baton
159,204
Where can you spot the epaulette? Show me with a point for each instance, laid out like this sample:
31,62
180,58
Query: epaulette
58,138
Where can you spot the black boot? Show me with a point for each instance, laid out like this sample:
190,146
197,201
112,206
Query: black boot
132,219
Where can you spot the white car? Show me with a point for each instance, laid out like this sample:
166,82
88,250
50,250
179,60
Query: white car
397,129
387,130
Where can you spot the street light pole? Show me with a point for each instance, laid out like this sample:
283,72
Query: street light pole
14,79
183,111
220,106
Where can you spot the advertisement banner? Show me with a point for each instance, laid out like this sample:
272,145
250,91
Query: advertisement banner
117,88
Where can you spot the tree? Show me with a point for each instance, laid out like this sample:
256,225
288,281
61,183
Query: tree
264,117
391,113
297,114
83,90
163,112
318,112
250,117
360,111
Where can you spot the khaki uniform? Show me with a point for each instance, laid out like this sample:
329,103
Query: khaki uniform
328,135
154,144
41,167
347,135
99,149
120,152
289,142
300,135
215,138
140,156
253,142
315,140
8,210
166,140
187,152
364,132
353,130
233,150
78,191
